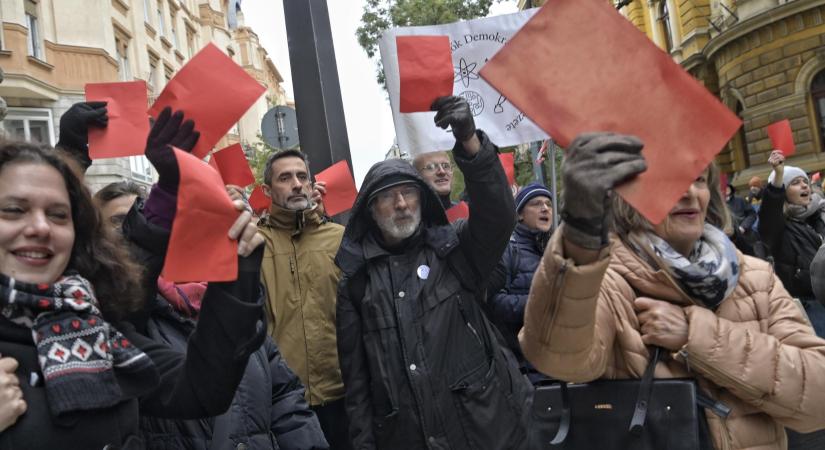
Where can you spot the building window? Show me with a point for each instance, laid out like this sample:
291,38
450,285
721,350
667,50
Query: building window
741,143
161,22
190,41
168,73
34,42
124,68
141,168
664,25
173,29
30,124
152,79
818,98
147,17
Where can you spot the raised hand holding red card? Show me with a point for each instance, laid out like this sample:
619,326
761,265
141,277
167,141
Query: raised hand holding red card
199,247
340,187
425,68
782,137
211,90
587,50
128,127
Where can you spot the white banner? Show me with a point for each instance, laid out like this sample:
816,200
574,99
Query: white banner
473,42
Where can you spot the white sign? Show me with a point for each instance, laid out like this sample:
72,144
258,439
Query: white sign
473,43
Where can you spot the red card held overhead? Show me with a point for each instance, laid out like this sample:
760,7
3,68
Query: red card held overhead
233,166
587,50
211,90
459,211
425,69
199,247
782,137
259,201
128,127
341,191
508,162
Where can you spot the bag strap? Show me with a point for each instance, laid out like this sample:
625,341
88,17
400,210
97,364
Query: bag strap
637,423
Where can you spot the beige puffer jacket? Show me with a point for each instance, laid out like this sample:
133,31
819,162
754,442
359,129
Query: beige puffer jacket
756,353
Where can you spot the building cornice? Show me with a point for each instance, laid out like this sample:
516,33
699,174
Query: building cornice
758,21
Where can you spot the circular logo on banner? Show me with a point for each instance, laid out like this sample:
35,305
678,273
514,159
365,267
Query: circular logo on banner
475,100
423,272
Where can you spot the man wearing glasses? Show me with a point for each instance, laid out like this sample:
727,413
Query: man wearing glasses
437,170
423,368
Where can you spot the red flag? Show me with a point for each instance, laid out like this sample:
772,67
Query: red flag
782,137
232,164
199,247
586,50
259,201
459,211
508,162
211,90
341,191
128,127
425,68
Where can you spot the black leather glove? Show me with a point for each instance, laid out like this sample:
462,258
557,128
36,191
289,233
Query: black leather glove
595,163
74,127
454,111
169,130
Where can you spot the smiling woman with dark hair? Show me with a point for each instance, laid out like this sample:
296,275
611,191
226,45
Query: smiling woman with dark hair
84,374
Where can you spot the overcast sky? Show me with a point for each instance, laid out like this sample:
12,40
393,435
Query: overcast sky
367,110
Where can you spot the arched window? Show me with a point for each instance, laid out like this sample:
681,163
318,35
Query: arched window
664,25
740,141
818,99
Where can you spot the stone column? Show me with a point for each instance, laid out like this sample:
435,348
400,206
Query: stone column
3,109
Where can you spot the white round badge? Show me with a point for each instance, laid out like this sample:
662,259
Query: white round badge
423,272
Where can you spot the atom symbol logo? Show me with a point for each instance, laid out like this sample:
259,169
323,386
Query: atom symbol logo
465,72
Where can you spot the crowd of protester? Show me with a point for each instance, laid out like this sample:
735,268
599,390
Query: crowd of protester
399,330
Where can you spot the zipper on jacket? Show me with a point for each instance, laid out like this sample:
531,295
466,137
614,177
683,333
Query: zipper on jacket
753,392
558,284
467,322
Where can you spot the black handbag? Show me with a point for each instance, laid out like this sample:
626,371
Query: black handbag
646,413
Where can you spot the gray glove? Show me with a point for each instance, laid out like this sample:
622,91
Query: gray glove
595,163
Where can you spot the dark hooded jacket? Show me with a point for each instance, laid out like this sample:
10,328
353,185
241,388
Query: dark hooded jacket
422,365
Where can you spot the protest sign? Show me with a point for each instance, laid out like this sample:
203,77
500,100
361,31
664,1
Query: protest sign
340,186
426,71
459,211
259,201
233,166
508,162
782,137
472,42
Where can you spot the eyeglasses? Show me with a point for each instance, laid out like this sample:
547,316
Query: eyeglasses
409,193
432,167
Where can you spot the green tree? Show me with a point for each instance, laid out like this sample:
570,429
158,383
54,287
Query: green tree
380,15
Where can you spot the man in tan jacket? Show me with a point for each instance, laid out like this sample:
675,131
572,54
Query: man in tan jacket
301,281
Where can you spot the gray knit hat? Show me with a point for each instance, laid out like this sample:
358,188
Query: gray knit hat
789,174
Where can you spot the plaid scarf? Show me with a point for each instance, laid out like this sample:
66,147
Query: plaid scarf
79,352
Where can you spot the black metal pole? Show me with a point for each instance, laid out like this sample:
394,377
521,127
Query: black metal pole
322,129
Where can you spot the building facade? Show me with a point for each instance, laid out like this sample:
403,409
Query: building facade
765,59
50,49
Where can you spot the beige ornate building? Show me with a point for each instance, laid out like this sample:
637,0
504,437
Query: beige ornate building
765,59
49,50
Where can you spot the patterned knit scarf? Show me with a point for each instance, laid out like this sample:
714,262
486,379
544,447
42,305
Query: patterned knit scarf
78,351
709,274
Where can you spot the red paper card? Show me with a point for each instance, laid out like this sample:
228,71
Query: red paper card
128,127
782,137
599,73
259,201
199,247
508,162
341,191
233,166
816,177
459,211
723,182
425,69
211,90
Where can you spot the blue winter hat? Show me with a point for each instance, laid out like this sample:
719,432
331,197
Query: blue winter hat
530,191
